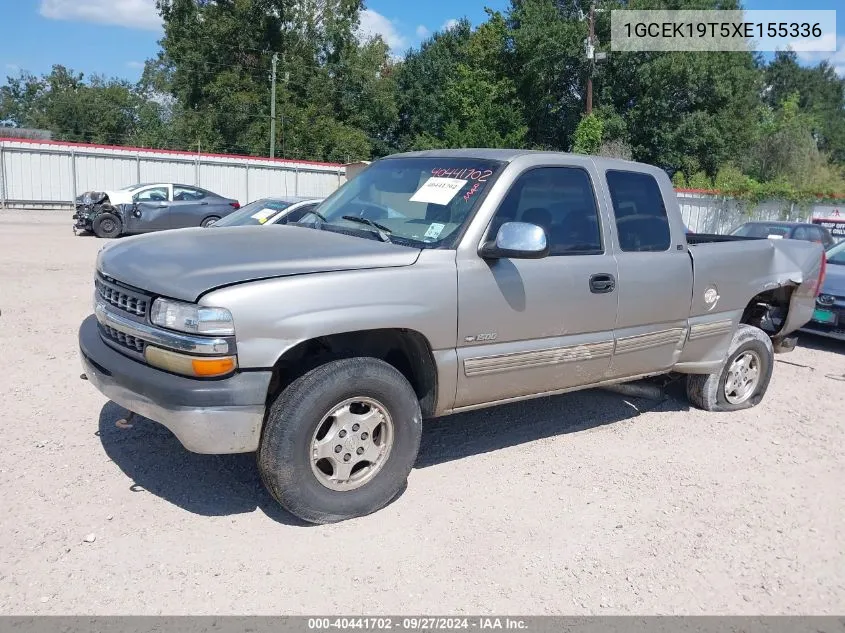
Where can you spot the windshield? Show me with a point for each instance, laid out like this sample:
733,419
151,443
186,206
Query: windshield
836,254
131,187
254,213
421,201
762,230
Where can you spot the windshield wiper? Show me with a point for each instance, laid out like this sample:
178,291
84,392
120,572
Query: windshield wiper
381,230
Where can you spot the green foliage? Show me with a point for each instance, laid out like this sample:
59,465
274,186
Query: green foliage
96,111
731,181
821,93
588,135
547,44
716,120
456,91
700,180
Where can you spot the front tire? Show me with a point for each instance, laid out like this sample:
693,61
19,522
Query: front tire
340,441
107,225
742,380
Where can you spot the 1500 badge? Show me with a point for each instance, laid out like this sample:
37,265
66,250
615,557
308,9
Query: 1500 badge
478,338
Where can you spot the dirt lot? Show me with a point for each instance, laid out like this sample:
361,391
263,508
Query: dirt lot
579,504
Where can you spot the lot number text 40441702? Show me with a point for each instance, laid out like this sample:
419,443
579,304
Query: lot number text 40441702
415,623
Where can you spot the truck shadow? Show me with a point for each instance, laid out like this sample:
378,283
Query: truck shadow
221,485
820,343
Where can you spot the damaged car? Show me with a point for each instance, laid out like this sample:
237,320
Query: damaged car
148,207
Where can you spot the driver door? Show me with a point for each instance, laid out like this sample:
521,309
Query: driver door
153,203
534,326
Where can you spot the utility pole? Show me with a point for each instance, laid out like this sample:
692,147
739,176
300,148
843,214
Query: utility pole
273,108
591,57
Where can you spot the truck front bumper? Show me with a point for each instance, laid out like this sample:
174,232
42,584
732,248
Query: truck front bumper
206,416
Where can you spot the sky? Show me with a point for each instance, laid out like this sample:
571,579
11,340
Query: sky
115,37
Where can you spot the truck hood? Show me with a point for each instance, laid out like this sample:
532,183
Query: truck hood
186,263
834,280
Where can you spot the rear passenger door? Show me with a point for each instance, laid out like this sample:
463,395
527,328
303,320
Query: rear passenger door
655,275
532,326
189,207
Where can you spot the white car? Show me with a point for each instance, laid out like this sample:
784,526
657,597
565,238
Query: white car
271,211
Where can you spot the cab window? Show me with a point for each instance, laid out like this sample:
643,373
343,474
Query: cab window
641,220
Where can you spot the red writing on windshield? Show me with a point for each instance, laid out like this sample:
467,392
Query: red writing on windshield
469,193
467,173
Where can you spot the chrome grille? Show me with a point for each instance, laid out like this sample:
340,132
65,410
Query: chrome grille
123,300
124,340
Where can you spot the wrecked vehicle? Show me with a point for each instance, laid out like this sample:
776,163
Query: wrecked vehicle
434,283
148,207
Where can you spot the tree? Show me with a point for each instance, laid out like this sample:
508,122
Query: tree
456,91
73,109
549,68
787,151
218,55
821,93
588,135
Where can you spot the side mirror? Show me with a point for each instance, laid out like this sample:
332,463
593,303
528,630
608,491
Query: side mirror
517,240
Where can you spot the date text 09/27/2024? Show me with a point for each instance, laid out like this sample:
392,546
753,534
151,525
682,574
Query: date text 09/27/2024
415,624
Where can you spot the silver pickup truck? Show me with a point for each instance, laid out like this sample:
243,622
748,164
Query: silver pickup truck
433,283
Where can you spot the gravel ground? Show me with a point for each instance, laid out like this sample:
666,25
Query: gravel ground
579,504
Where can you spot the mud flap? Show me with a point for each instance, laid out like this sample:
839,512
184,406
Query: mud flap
784,345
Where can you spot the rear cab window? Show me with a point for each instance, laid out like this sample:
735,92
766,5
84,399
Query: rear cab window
638,207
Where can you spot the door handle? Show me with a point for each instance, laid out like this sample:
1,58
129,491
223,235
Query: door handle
602,283
203,203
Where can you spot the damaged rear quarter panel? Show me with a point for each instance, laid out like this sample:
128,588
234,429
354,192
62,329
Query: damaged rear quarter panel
741,270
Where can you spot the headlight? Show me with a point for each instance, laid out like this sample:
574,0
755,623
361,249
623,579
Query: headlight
187,317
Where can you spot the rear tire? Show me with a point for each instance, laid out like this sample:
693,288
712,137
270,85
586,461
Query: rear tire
107,225
362,406
742,380
209,221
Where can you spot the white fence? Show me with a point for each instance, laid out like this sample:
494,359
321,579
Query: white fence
48,173
51,174
705,212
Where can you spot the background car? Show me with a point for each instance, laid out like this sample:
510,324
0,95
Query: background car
787,230
271,211
829,316
149,207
